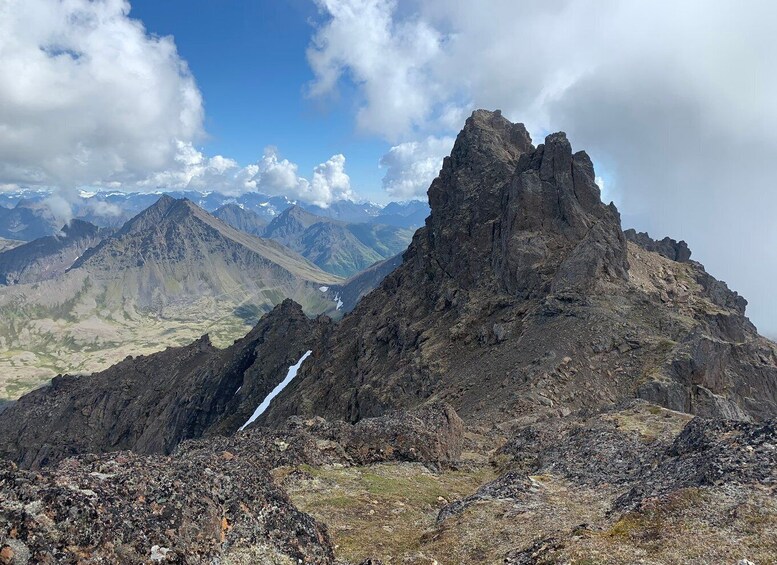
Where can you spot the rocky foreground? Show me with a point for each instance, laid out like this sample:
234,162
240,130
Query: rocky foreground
529,385
632,484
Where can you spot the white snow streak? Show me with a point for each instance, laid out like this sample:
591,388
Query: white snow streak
323,288
276,391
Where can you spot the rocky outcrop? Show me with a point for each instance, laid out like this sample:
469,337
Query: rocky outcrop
710,453
201,506
430,434
635,450
150,404
433,436
49,256
213,499
556,235
668,247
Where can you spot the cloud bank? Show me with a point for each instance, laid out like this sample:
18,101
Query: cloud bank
87,95
272,175
674,102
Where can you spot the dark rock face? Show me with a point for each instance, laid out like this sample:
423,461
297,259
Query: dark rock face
49,256
522,295
668,247
150,404
560,238
430,434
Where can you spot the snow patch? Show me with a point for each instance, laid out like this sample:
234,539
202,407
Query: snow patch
292,372
338,301
323,288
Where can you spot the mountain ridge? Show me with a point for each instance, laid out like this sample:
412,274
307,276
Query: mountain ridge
337,247
169,275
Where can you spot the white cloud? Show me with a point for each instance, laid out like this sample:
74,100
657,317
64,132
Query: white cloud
413,165
271,175
387,58
278,176
677,100
86,95
330,181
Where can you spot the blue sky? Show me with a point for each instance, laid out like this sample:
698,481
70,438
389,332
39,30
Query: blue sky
248,58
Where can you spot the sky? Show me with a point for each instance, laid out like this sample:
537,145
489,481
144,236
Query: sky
327,99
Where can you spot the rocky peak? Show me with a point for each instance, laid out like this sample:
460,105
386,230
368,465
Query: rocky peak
150,217
286,310
466,197
293,220
523,220
668,247
79,228
556,234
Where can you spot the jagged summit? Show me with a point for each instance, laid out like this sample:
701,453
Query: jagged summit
520,219
556,234
522,295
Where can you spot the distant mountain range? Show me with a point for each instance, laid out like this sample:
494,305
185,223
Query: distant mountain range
24,214
241,219
49,256
26,220
90,296
337,247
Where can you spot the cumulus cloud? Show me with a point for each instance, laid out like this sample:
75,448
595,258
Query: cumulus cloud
329,182
675,100
412,166
387,57
272,175
86,95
